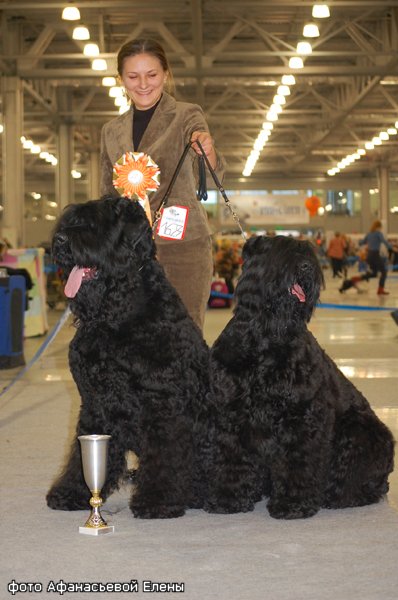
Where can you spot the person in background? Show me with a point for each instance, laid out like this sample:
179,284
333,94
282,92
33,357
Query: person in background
377,263
336,253
159,126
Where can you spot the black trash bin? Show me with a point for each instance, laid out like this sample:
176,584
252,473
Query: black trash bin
12,310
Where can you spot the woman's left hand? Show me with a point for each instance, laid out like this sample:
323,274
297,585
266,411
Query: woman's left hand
206,142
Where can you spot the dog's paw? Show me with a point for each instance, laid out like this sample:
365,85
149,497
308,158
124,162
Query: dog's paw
67,499
230,506
157,512
283,509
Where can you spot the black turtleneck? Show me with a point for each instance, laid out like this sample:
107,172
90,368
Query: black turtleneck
141,120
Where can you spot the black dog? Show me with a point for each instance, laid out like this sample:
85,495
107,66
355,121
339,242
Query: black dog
138,359
352,282
291,426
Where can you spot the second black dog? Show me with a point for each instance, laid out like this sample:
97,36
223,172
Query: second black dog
292,427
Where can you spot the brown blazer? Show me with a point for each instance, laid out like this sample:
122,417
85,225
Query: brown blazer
164,140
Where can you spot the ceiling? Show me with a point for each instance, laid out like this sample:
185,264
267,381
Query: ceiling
228,56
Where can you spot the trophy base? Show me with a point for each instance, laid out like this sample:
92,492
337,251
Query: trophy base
97,530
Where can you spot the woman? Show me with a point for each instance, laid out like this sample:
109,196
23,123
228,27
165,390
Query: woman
336,252
377,263
160,126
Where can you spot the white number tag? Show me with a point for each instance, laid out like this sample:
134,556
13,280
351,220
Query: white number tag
173,223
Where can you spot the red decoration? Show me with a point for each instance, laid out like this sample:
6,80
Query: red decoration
312,203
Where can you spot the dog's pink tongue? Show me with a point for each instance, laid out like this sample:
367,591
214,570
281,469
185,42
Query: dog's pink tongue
74,282
298,291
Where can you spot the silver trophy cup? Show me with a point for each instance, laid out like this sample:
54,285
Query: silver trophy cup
94,450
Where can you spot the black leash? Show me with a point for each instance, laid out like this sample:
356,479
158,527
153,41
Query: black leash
202,187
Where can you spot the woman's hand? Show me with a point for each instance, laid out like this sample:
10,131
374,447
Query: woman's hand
206,142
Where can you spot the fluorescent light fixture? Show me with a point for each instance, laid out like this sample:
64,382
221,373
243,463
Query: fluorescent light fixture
276,108
383,135
289,80
331,172
109,81
99,64
35,149
268,126
311,30
71,13
377,141
75,174
369,145
361,152
44,155
296,62
392,131
91,50
1,128
81,33
304,48
320,11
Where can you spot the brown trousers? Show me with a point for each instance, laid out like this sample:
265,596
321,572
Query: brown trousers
189,268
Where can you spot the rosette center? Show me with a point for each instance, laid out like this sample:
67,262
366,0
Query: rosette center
135,177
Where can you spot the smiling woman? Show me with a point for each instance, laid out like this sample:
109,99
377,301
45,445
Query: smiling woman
160,127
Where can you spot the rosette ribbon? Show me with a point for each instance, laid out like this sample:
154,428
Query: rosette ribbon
135,175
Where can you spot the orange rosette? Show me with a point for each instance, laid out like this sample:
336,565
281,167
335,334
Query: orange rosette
135,174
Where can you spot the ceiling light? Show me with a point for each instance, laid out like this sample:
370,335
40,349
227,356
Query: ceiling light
290,80
392,131
331,172
320,11
99,64
311,30
304,48
279,99
35,149
361,152
124,108
71,13
115,91
1,128
272,115
296,62
81,33
268,126
276,108
377,141
283,90
109,81
383,135
75,174
44,155
121,101
91,50
369,146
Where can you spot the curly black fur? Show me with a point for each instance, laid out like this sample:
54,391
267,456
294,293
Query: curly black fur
291,426
139,362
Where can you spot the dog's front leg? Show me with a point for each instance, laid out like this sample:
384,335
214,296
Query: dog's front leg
298,470
164,478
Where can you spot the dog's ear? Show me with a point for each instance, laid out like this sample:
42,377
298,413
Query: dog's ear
137,232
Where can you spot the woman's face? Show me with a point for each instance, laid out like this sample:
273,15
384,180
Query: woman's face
143,77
